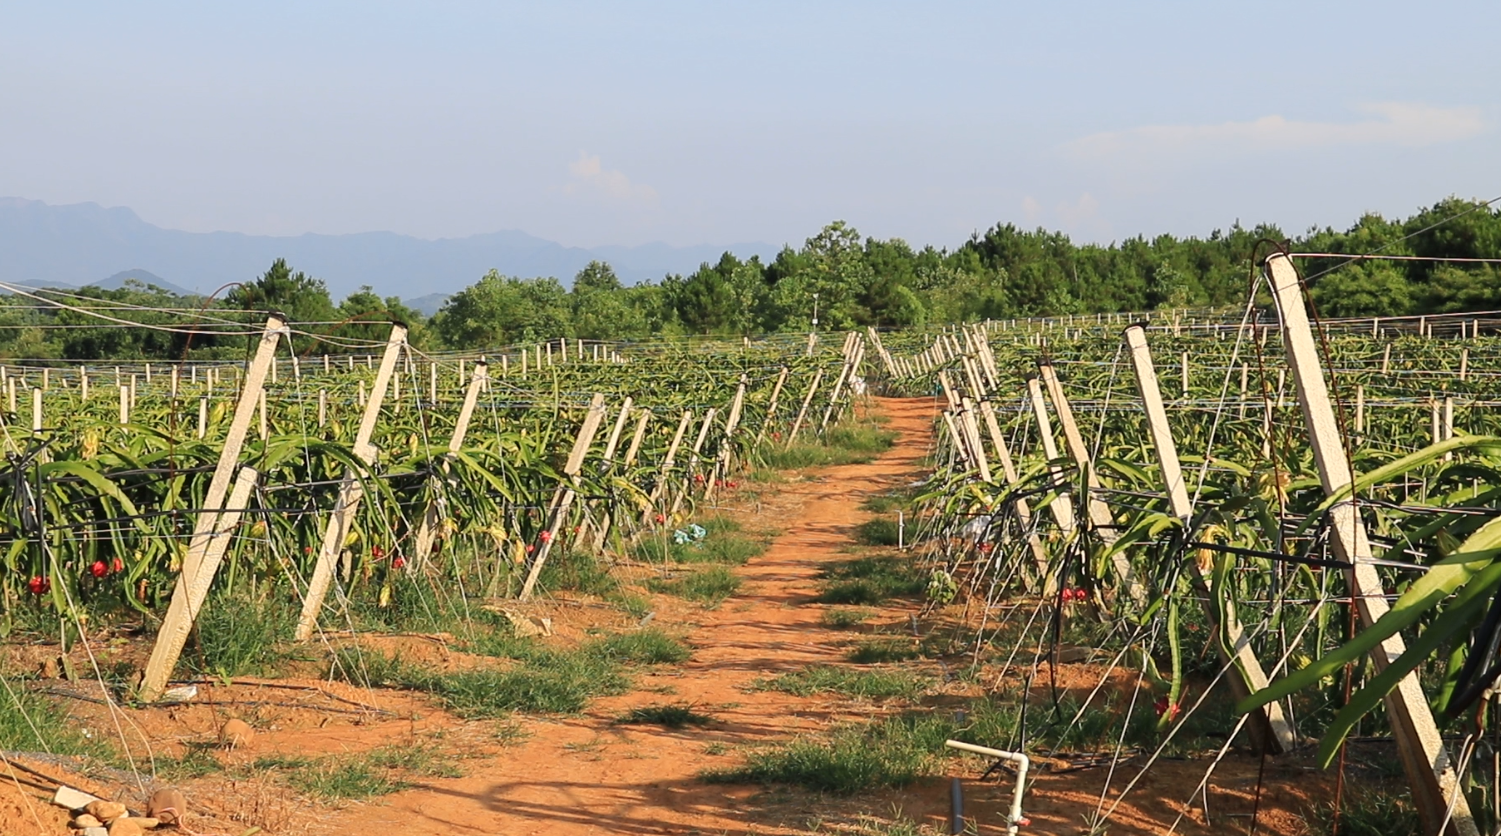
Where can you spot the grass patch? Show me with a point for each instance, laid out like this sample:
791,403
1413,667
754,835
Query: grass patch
672,716
892,752
634,606
239,636
539,679
1368,812
579,572
364,775
725,543
549,683
880,531
879,683
711,586
643,647
885,503
31,723
197,760
844,619
542,680
871,580
849,442
883,650
765,476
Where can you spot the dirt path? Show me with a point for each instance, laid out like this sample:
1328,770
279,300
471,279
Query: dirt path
583,775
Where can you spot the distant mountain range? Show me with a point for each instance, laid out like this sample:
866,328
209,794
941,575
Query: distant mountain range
77,244
114,282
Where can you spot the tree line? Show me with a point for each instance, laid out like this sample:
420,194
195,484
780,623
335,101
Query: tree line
847,280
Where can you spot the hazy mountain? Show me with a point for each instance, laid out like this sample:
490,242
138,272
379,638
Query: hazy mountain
78,243
428,304
119,279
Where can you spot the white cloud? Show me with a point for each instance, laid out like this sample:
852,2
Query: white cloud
1080,217
1031,210
588,177
1389,123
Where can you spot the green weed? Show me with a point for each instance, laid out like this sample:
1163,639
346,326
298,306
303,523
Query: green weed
877,683
849,442
883,650
549,683
844,619
542,680
1367,812
710,586
671,716
634,606
892,752
724,543
238,636
196,761
579,572
642,647
871,580
880,531
30,723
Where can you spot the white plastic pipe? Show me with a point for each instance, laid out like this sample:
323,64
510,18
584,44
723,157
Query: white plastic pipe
1015,820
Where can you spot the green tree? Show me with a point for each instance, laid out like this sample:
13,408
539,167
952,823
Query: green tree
1371,288
500,310
600,308
299,296
366,316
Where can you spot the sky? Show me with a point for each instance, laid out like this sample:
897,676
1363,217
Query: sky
592,123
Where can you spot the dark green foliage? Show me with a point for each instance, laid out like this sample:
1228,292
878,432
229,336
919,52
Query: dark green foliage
1004,272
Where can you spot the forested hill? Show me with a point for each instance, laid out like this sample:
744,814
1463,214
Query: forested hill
854,281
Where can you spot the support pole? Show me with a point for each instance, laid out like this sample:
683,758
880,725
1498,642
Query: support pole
351,490
193,583
1047,580
802,413
1269,727
693,460
630,457
1061,507
667,462
431,517
559,512
1101,520
1430,770
607,461
771,406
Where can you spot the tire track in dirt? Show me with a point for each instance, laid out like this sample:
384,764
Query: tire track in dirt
584,775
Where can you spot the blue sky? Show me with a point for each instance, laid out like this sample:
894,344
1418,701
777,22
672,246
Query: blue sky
719,122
